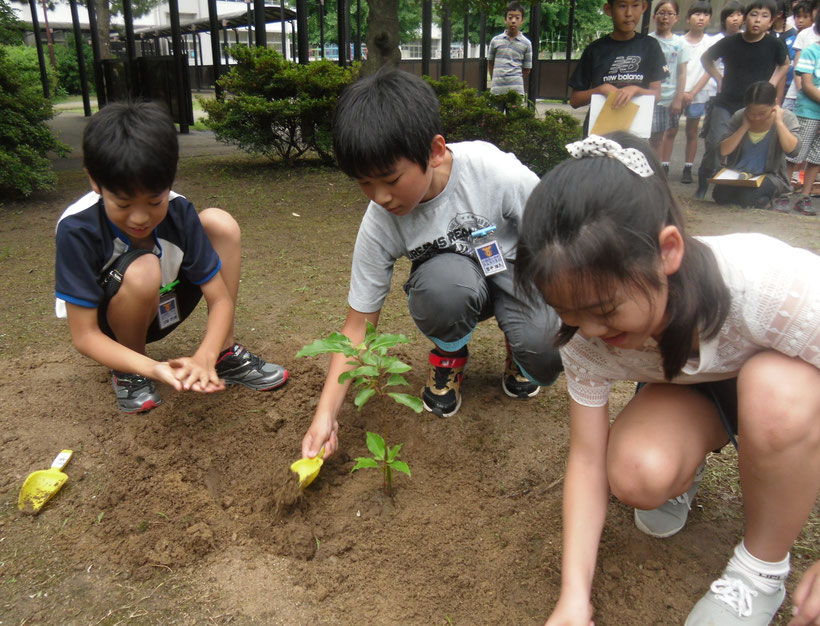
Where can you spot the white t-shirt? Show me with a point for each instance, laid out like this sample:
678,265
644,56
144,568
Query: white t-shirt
486,187
775,291
695,71
804,39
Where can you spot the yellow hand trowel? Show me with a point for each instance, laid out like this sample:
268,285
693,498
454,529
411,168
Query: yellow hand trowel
42,484
308,468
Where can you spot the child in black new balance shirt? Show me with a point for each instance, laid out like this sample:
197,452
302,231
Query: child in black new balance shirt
624,61
134,259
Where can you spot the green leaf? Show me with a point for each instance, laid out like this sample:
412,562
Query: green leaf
365,370
400,466
370,332
407,400
382,342
365,461
394,452
368,358
320,346
398,367
345,376
376,445
396,379
363,396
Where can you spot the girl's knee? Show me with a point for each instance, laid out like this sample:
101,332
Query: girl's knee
642,476
779,402
220,224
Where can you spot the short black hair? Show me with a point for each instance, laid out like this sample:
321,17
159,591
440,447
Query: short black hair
733,6
515,6
769,5
803,6
131,147
382,118
701,6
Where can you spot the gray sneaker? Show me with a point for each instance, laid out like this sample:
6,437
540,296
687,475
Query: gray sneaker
733,600
238,366
670,517
135,393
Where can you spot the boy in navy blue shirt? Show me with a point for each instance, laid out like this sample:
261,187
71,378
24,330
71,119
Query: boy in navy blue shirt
625,62
134,259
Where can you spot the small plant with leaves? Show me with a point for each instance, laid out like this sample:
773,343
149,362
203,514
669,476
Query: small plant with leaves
373,373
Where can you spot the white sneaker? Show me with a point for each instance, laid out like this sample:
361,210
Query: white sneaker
733,600
671,516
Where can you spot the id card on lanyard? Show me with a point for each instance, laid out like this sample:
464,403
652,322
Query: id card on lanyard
487,251
168,312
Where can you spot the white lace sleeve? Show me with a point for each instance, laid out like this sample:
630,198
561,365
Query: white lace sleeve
784,313
586,386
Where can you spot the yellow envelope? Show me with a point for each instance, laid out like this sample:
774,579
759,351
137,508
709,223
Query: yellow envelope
610,120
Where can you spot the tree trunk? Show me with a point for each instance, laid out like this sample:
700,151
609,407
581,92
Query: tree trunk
104,27
382,36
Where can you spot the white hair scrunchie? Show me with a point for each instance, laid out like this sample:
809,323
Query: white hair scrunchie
595,145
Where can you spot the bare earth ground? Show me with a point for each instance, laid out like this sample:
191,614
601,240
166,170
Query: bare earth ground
170,518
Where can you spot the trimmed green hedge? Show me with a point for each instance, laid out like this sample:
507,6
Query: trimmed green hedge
538,142
277,108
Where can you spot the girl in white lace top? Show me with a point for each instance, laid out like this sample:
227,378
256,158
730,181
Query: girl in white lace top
725,334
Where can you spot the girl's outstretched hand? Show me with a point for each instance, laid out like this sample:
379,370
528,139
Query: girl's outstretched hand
806,599
571,613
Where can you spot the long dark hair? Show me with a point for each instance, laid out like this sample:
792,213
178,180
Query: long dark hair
595,220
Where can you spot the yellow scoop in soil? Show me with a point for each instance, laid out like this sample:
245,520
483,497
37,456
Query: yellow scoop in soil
42,484
308,468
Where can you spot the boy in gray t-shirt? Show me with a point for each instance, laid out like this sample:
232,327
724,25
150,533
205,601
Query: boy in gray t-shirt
454,211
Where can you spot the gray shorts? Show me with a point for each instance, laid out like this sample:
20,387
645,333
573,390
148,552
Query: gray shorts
448,295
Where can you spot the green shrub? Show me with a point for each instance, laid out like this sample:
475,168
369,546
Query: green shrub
277,108
25,139
27,66
68,71
469,115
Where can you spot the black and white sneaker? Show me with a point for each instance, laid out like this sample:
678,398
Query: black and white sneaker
238,366
135,393
515,384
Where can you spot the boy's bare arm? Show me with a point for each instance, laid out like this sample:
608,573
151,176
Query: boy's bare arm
323,429
198,371
581,97
779,74
93,343
625,94
711,68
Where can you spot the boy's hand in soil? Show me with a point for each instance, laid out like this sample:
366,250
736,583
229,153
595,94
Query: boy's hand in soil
195,375
806,599
569,613
322,432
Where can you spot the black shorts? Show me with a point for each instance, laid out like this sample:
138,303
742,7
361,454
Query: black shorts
188,296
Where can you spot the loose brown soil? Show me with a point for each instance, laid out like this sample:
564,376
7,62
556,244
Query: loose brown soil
188,514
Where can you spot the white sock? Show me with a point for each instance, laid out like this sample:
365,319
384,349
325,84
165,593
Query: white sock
665,163
687,165
767,577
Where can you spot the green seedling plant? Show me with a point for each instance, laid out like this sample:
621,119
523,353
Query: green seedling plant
373,373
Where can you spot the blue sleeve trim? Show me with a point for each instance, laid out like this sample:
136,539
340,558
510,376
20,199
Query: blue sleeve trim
84,303
211,275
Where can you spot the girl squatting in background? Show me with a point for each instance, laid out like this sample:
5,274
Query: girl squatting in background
724,334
